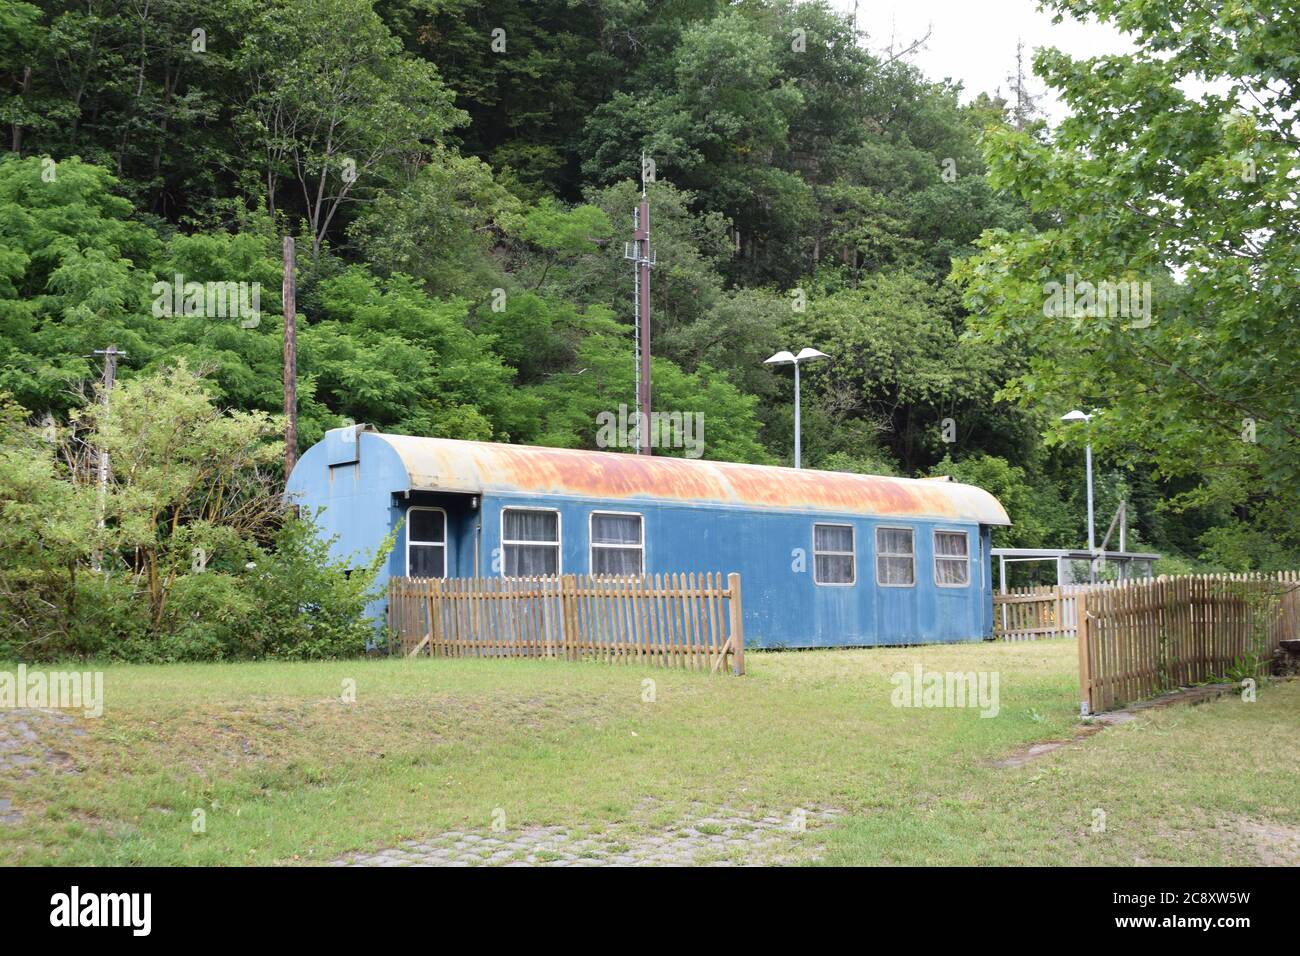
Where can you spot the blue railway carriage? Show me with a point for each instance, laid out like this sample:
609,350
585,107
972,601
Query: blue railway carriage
826,558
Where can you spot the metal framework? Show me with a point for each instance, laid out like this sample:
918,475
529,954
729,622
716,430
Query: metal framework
1127,561
639,252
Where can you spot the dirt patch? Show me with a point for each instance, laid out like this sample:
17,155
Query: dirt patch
1275,844
31,741
1098,722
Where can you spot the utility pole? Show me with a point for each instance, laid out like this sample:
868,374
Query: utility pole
111,355
289,292
642,255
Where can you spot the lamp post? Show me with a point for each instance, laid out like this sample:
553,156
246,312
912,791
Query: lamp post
1078,416
785,358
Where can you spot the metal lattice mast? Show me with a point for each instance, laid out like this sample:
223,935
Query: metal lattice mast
640,253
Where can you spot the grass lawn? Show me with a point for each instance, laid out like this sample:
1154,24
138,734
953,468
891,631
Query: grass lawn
285,771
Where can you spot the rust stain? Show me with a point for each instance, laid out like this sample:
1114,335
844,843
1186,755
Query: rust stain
451,465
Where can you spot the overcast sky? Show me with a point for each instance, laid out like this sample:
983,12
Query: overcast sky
974,41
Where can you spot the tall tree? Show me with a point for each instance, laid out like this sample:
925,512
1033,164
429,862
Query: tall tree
335,105
1193,194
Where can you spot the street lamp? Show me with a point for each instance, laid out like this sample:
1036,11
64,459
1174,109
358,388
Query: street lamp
785,358
1078,416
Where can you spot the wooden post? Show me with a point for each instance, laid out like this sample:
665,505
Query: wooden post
568,616
1085,668
737,626
289,294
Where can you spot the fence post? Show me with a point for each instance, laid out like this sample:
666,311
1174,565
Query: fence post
1085,667
393,617
568,601
737,626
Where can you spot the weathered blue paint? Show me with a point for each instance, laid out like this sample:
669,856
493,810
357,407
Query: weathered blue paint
361,489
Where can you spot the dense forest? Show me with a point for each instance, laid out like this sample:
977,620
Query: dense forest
460,177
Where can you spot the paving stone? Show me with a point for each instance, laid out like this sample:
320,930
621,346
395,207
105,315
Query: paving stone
743,841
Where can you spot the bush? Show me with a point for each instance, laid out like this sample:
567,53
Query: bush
196,556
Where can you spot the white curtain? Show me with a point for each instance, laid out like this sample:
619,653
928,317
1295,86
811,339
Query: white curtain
951,565
894,561
953,572
950,543
895,541
832,554
527,560
830,537
615,529
834,568
615,560
611,529
531,525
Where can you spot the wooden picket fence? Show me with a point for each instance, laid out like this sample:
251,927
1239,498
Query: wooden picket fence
1143,638
1036,613
671,620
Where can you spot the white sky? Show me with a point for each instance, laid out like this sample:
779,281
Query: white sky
974,41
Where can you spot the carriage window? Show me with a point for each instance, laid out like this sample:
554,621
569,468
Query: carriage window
833,561
617,543
426,543
951,559
531,542
895,557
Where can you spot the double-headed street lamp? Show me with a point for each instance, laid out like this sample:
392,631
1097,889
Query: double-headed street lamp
1078,416
785,358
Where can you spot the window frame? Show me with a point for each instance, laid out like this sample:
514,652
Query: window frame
934,544
558,543
853,531
892,554
426,544
592,545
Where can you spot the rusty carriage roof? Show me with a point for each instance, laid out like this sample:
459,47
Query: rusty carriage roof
444,464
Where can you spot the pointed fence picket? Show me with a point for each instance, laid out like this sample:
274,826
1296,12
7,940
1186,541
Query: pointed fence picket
1037,613
670,620
1142,638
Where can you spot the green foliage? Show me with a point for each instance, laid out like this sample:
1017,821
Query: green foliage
603,380
462,211
335,104
1035,512
307,605
387,354
1193,194
441,227
186,553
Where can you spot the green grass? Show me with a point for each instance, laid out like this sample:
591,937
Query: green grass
286,772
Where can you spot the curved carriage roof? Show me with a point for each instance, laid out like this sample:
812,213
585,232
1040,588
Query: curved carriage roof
444,464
